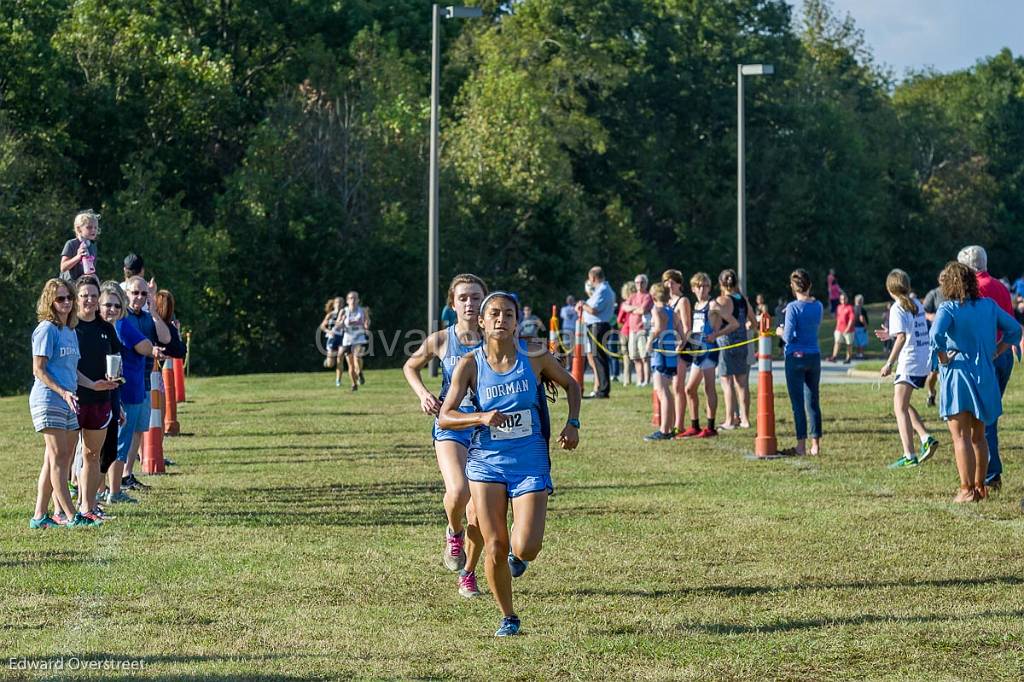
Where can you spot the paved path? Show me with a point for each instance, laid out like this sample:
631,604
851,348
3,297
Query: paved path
831,373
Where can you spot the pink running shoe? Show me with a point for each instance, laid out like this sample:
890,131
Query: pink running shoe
454,555
467,585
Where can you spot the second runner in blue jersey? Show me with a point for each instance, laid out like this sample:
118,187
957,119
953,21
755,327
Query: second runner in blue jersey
462,543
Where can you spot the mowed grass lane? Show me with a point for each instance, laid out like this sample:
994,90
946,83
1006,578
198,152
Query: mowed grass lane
299,538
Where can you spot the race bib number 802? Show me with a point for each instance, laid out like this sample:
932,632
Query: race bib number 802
517,425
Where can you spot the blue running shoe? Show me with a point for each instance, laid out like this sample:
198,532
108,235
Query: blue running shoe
518,567
658,435
509,626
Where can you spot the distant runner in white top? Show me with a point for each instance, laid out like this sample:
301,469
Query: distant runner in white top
908,329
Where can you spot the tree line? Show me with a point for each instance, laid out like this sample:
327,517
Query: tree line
264,156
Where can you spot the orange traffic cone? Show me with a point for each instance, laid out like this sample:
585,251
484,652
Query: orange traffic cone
153,439
765,445
179,380
577,350
171,426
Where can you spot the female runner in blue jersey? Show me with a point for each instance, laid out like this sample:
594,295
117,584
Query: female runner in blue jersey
462,545
508,458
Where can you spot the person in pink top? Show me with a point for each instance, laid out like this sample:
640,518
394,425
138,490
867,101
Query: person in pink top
638,310
845,322
834,291
976,259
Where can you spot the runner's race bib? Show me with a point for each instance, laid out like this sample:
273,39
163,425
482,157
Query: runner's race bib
517,425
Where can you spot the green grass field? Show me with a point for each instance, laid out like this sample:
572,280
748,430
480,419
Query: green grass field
299,539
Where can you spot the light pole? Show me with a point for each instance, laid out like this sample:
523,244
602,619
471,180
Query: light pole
433,243
741,169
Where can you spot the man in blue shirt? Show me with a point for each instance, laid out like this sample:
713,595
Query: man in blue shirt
598,312
1018,286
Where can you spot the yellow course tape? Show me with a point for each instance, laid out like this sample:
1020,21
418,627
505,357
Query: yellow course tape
676,352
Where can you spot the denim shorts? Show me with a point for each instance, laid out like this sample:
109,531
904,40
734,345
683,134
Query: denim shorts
136,420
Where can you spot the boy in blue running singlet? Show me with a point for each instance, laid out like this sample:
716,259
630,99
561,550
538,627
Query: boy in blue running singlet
709,323
462,545
508,457
662,345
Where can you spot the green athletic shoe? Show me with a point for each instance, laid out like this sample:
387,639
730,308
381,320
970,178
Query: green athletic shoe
927,450
904,462
44,522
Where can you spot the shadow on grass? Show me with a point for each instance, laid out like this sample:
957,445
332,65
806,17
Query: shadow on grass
49,558
260,448
347,505
750,590
623,486
813,623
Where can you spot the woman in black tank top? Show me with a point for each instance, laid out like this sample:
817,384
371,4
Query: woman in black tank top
735,362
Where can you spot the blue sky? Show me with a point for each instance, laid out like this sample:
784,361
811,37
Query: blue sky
946,34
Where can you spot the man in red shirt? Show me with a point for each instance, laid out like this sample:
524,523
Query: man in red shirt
976,259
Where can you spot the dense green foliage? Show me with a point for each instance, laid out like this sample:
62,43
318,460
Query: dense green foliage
263,156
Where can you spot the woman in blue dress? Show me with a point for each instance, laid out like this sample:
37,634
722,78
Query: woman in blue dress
508,457
963,337
462,544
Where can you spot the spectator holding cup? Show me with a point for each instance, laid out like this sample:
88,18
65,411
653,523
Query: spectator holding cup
97,341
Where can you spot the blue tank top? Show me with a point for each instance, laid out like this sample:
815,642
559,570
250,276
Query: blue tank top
666,341
701,330
453,352
523,442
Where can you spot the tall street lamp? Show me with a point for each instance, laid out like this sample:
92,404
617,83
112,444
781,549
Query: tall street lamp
741,170
433,246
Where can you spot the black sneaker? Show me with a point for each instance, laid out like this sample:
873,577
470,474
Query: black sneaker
931,400
361,379
133,483
170,462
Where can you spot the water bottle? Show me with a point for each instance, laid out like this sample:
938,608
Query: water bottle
88,260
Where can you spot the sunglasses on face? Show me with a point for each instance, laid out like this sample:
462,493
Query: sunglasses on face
115,306
139,293
62,299
87,296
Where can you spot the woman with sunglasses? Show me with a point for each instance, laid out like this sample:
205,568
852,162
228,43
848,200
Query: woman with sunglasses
112,306
508,458
96,340
54,403
136,330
